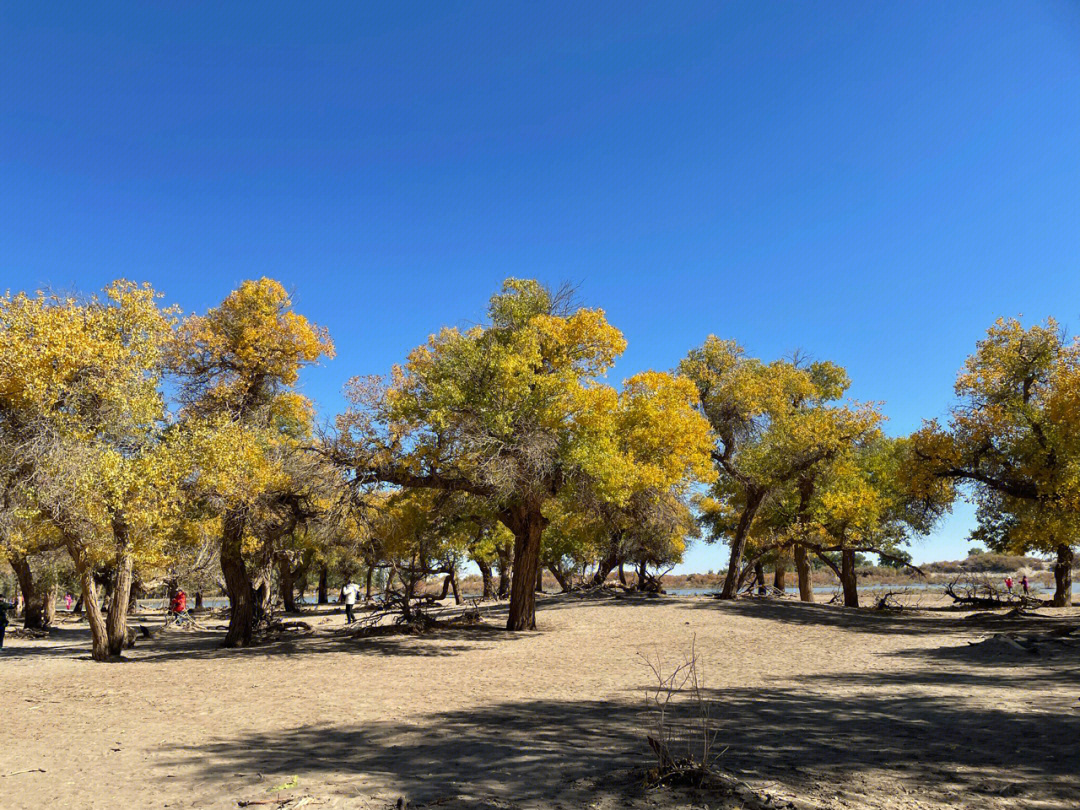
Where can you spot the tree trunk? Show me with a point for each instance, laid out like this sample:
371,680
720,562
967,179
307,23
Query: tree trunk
198,600
780,576
848,578
116,623
78,607
452,576
134,596
1063,576
486,577
622,573
738,545
287,584
606,564
539,578
560,576
527,523
504,571
802,567
39,604
759,577
237,583
99,639
324,585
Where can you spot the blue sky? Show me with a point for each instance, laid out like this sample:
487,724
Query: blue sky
870,183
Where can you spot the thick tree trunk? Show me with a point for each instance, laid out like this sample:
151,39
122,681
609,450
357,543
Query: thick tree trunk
39,603
287,584
487,578
237,583
848,578
198,600
78,607
802,567
1063,576
738,546
324,585
116,623
642,576
780,576
759,577
622,573
527,523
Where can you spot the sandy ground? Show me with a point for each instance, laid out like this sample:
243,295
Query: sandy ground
836,708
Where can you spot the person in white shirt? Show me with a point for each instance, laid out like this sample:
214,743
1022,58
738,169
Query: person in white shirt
349,592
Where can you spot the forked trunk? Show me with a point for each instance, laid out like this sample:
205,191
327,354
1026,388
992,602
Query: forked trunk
848,578
116,623
1063,576
237,583
780,576
738,546
527,523
802,567
324,585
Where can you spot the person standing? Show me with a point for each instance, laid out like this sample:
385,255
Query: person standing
1008,584
1024,584
349,591
68,600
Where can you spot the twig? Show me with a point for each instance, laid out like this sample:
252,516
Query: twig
28,770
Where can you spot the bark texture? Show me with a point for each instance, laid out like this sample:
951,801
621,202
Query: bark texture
1063,576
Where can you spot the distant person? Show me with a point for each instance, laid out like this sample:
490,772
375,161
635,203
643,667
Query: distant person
1024,584
68,600
349,592
1009,583
178,605
5,606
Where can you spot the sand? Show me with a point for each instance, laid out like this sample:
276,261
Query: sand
826,706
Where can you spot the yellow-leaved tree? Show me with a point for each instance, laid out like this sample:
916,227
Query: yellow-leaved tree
238,366
82,421
773,423
514,412
1013,442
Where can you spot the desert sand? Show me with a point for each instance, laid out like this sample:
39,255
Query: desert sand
824,706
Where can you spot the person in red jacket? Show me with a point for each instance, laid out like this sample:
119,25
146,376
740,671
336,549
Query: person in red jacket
179,604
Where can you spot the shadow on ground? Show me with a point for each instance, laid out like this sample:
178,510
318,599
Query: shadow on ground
535,751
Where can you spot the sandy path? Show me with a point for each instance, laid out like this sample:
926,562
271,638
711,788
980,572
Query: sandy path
845,709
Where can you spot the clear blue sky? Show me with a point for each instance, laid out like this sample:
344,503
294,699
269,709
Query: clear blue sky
873,183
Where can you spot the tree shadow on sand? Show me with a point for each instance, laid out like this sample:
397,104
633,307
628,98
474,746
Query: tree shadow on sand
811,742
